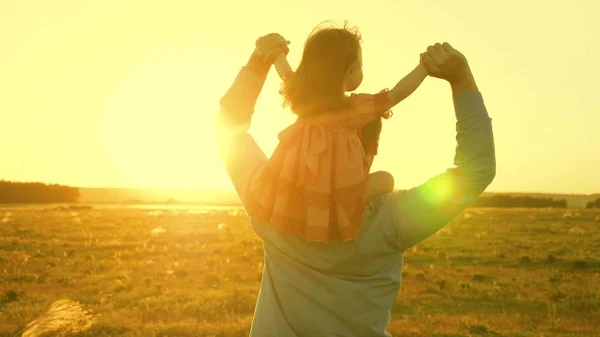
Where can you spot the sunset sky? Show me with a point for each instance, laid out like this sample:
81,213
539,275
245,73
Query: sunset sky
124,93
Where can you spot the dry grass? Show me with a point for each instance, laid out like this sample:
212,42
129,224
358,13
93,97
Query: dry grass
179,273
64,318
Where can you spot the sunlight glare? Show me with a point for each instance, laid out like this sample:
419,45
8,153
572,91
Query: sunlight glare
157,126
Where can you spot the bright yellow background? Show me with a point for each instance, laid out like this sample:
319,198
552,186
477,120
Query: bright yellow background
124,93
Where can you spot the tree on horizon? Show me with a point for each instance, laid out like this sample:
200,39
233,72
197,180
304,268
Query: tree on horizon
36,192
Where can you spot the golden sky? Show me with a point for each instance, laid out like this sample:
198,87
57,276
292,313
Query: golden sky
124,93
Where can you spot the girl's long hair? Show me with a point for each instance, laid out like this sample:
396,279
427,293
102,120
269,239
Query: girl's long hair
317,85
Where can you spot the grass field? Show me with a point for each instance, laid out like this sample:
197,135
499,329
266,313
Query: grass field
145,272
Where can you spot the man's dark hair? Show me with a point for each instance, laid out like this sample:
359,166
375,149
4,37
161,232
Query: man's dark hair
369,136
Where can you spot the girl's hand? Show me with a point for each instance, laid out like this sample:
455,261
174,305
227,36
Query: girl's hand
270,46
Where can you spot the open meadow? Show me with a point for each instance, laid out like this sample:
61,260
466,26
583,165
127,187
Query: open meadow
196,272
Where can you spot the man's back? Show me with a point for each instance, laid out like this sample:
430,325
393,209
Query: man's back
332,289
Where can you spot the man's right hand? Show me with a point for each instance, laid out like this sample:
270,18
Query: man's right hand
445,62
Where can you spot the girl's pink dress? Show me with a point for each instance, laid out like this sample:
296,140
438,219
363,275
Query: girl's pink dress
314,184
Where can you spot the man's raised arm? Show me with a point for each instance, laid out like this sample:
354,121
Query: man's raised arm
238,150
422,211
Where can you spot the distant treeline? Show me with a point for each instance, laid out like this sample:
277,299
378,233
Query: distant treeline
519,202
593,204
15,192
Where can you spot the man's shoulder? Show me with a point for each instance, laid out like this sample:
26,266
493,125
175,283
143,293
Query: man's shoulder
382,203
378,222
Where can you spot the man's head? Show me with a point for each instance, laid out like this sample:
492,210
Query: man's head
369,136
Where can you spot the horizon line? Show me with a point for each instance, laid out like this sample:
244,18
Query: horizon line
232,190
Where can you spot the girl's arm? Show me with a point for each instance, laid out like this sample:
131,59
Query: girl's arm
283,66
407,85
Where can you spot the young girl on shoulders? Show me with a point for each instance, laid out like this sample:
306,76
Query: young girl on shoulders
317,181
